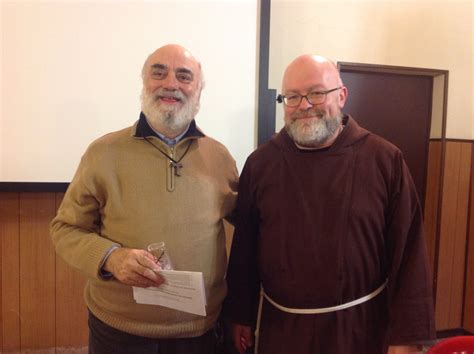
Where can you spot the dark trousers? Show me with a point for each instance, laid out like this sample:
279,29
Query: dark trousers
104,339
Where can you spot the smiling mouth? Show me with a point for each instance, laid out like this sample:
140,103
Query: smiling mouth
169,99
312,116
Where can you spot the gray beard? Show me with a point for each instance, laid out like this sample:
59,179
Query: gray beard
314,133
175,119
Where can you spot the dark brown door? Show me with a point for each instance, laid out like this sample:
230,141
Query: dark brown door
396,106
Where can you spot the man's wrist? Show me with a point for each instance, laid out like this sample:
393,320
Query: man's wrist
104,271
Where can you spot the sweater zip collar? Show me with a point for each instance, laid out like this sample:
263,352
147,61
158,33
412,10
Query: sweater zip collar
143,129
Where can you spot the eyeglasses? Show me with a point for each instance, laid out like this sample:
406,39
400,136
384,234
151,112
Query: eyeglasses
313,98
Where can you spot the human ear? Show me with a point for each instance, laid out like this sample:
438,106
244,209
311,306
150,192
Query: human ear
342,96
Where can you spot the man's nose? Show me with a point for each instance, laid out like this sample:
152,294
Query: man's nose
304,104
170,82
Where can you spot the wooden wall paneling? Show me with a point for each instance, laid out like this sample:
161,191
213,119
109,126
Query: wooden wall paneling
468,318
71,310
9,261
37,272
451,261
433,180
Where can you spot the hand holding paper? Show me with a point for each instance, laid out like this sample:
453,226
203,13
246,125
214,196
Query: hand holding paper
182,291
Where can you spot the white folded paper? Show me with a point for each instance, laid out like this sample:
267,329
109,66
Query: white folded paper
183,291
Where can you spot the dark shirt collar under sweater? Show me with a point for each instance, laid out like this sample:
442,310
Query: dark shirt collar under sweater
143,130
351,134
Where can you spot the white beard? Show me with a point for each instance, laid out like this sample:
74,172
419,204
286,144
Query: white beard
175,119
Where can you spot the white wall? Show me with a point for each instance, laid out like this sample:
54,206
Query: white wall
71,73
417,33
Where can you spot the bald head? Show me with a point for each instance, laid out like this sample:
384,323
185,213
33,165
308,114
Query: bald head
314,96
309,71
172,84
174,52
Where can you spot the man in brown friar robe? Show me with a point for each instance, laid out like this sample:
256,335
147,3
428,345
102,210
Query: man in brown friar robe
329,224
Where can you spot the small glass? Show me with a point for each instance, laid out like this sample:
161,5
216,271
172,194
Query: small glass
158,249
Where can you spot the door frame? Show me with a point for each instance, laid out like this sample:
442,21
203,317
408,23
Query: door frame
409,71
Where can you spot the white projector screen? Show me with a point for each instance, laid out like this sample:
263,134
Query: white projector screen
71,73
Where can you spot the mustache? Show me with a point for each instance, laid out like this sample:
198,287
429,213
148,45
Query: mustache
176,94
308,114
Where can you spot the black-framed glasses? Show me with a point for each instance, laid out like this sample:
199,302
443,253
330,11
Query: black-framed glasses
313,98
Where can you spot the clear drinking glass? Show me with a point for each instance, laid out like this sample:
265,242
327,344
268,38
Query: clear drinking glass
158,249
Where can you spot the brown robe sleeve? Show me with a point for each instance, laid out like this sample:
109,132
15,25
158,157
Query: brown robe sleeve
243,281
410,300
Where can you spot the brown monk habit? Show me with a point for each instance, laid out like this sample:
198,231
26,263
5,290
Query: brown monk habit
320,228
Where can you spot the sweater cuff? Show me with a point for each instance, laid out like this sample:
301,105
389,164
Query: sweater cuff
103,274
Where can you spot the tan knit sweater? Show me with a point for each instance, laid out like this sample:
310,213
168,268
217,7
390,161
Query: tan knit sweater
124,193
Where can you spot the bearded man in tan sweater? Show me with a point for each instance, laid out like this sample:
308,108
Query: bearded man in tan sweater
161,179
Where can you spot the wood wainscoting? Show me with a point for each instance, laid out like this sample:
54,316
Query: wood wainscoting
453,238
468,314
42,307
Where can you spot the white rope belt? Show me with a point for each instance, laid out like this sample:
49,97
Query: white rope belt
326,309
310,311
